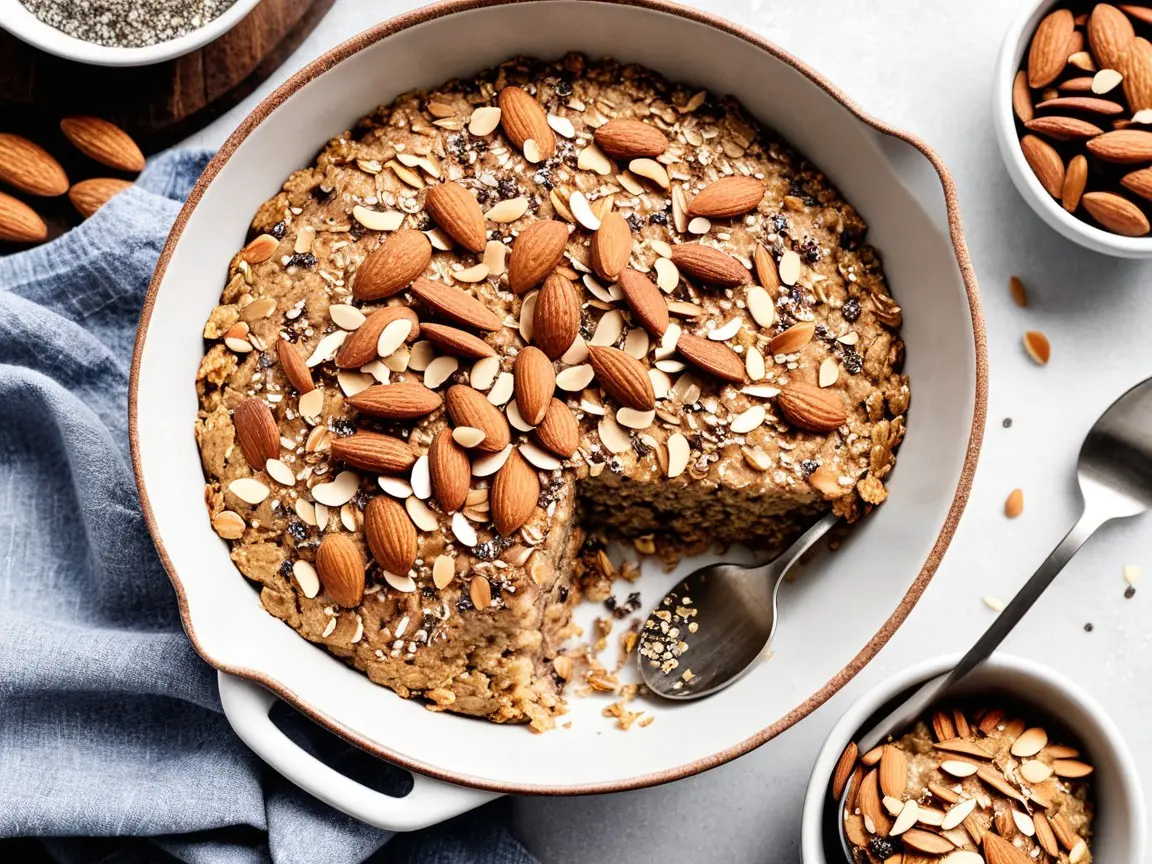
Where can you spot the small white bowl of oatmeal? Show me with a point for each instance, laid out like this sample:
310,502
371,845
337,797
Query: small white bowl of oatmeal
1019,755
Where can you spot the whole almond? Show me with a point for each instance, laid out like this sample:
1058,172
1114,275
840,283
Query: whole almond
645,301
611,246
927,841
1139,182
556,319
766,271
1022,97
371,451
535,254
1075,179
450,471
793,339
88,196
813,408
390,534
390,267
1091,104
1137,68
1139,13
558,430
360,346
340,566
256,432
30,168
715,358
534,382
1117,214
455,305
19,223
893,772
997,850
457,211
1110,35
868,800
515,491
630,139
523,119
727,198
709,265
105,142
1049,51
1083,84
622,377
293,367
458,343
844,768
404,400
1064,128
469,407
1045,163
1044,834
1124,146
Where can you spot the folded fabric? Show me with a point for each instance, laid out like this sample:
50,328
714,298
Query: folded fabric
110,723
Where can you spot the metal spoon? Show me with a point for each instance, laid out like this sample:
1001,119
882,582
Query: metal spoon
1115,474
710,630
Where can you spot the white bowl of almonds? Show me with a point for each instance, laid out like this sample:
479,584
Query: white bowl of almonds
1018,764
1073,118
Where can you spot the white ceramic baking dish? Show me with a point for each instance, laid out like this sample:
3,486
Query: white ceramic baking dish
1120,833
842,610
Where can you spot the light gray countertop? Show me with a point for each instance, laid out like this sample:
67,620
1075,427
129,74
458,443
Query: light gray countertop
926,67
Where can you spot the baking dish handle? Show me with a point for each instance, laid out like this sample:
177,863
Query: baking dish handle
246,705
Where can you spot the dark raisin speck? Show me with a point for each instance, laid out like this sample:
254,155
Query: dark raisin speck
1007,424
463,604
278,230
851,310
881,847
563,88
810,249
1088,628
341,427
610,603
266,361
297,530
822,332
508,188
302,259
851,238
779,224
852,360
563,593
639,446
658,218
286,569
427,593
809,465
1129,592
635,222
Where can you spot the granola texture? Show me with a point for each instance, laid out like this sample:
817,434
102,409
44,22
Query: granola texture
750,474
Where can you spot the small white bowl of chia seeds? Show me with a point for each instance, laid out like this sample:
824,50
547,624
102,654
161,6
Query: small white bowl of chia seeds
121,32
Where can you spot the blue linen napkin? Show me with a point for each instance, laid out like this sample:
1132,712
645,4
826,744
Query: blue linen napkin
110,723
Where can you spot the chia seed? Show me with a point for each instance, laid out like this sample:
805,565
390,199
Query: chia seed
302,259
1089,627
1007,424
127,23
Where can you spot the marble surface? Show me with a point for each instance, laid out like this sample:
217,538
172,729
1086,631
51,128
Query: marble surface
926,67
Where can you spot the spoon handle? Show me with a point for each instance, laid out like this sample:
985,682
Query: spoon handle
906,713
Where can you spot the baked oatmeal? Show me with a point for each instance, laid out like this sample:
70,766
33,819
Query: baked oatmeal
557,300
974,780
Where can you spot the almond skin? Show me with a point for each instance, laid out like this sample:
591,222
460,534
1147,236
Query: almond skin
1137,69
515,491
556,319
1110,35
1075,179
535,254
390,267
1045,163
1049,51
1104,107
727,198
523,118
997,850
1022,97
558,430
256,432
622,377
455,304
371,451
646,301
390,534
709,265
293,367
630,139
534,382
844,768
1118,215
450,470
260,249
340,566
405,400
30,168
715,358
793,339
19,222
1139,182
360,346
88,196
810,407
105,142
1124,146
469,407
893,772
611,246
457,211
766,271
1064,128
458,343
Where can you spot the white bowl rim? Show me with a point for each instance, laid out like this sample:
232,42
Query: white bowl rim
1078,230
22,24
869,701
956,507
